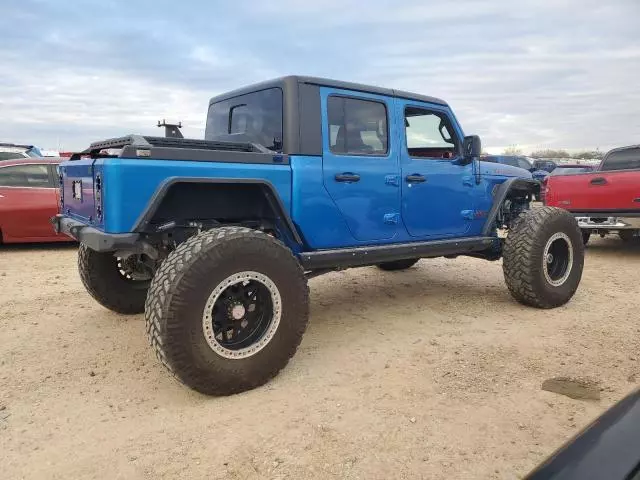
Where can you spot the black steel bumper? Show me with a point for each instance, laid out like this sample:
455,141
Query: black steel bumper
94,238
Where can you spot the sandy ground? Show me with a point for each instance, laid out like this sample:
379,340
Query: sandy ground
430,373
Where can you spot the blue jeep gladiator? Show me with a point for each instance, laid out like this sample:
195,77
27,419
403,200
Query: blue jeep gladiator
214,239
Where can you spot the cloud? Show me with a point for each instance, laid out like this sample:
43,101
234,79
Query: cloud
537,73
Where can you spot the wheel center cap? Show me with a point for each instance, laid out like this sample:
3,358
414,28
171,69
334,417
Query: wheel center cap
237,312
549,258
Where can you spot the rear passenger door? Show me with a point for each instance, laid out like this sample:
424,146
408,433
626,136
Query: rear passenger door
360,164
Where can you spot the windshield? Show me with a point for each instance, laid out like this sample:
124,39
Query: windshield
255,118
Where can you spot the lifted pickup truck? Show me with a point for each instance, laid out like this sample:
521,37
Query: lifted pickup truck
215,239
605,200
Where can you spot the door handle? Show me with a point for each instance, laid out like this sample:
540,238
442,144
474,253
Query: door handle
599,181
415,178
347,177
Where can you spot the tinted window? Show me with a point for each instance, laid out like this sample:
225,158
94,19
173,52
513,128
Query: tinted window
523,163
570,170
10,155
489,159
255,117
429,133
510,161
357,127
25,176
628,159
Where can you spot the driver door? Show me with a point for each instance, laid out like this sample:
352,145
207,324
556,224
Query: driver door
437,188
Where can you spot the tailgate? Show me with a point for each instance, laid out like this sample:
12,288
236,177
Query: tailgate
595,191
78,192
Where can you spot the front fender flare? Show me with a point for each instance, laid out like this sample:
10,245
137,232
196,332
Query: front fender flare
502,191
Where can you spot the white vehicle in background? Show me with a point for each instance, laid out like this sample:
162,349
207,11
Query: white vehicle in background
11,151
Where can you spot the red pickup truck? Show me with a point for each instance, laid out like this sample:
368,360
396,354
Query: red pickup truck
605,200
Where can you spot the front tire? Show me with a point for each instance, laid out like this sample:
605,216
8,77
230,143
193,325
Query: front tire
227,310
112,282
398,264
543,257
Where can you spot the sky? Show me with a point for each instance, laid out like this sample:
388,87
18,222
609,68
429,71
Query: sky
532,73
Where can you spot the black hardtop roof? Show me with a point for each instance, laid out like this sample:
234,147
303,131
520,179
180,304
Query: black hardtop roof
294,80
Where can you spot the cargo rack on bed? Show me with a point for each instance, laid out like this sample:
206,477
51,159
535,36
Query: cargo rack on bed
184,149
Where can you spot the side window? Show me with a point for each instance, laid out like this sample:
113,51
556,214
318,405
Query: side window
357,127
429,134
628,159
25,176
523,163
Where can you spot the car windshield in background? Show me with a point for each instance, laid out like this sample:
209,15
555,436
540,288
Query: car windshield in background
255,118
520,162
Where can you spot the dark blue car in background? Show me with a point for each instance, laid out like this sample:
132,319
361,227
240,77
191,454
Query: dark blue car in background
517,161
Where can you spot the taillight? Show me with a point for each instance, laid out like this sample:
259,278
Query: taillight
544,190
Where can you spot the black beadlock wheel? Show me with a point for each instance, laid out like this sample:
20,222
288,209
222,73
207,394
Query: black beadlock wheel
119,284
398,264
227,310
543,257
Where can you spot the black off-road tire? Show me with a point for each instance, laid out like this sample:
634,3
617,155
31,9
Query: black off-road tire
523,257
101,277
627,236
398,264
179,293
586,235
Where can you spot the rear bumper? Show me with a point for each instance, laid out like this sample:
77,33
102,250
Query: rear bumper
96,239
609,223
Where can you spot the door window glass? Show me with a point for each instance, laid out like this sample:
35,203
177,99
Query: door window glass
25,176
357,127
429,134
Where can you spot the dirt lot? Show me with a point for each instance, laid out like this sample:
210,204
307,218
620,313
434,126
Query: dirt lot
430,373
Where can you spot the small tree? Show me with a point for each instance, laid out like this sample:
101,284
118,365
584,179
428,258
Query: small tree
512,150
548,153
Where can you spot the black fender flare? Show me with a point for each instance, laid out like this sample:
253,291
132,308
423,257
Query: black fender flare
502,191
271,194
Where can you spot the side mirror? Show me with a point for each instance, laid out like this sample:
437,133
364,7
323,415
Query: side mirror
471,147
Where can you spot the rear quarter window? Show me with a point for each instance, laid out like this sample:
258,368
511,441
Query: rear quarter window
628,159
255,117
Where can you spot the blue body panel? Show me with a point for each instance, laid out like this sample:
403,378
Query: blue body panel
129,184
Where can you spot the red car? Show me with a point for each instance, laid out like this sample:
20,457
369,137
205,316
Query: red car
29,197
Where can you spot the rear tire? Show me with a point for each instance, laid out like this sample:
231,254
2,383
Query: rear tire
586,235
543,257
627,236
227,310
398,264
101,275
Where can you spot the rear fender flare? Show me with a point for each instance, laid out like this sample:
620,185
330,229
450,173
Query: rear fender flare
271,196
502,192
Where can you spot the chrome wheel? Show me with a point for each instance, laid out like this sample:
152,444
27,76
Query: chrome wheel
557,259
242,315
